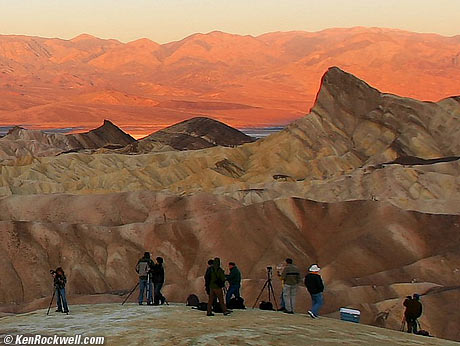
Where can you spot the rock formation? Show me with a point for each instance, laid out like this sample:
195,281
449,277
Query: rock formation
366,185
20,142
199,133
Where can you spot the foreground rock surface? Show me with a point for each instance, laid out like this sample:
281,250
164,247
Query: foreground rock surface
178,325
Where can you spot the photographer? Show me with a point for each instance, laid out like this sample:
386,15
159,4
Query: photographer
291,279
143,269
60,281
216,282
158,278
234,280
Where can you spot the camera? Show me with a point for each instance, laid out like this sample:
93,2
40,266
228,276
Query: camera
52,272
269,269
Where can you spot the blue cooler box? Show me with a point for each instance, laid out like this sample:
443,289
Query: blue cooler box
350,315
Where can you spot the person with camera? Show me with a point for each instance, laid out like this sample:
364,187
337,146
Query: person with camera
158,278
291,278
60,281
216,282
143,269
413,312
234,280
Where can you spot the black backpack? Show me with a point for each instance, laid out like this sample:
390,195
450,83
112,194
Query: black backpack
266,306
216,307
423,333
192,300
236,303
201,307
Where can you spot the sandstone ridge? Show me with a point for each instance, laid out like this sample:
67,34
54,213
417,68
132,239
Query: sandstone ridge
366,185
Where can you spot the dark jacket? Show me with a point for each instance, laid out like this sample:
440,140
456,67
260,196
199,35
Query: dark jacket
216,276
314,283
207,279
60,281
234,277
158,273
413,308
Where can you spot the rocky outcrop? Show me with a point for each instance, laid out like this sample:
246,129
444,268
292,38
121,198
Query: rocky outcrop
366,259
20,142
130,324
199,133
366,185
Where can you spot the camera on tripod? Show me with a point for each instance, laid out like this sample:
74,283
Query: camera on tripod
270,291
269,272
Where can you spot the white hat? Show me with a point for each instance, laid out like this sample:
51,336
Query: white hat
314,268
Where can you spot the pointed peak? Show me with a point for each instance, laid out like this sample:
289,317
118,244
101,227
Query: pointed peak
108,123
15,129
343,87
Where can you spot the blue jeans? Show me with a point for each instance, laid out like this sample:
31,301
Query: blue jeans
157,296
143,285
61,300
317,303
233,290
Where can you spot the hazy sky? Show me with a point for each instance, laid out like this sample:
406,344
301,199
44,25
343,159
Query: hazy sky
167,20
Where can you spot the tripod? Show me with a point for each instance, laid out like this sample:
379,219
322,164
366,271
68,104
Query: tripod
129,295
269,286
51,302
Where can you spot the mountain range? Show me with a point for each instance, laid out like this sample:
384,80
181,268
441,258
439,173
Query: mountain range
366,185
240,80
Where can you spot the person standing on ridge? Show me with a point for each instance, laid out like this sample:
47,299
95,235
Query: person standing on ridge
60,281
291,278
234,279
207,277
158,278
216,278
413,312
143,268
315,287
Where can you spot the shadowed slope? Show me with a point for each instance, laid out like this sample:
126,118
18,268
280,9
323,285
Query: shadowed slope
199,133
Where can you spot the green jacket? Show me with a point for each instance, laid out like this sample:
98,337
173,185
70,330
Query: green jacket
234,278
216,275
290,275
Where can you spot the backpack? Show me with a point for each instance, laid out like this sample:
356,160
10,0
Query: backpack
266,305
423,333
236,303
192,300
201,307
144,268
216,307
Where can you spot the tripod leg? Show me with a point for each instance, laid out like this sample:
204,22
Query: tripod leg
261,291
129,295
51,302
270,287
